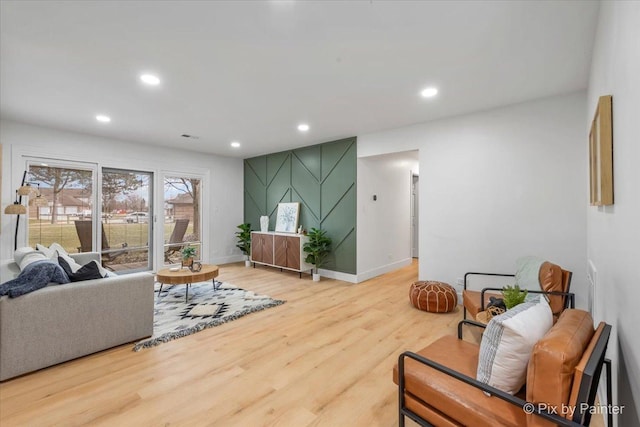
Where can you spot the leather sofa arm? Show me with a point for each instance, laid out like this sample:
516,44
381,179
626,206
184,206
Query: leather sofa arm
530,407
472,273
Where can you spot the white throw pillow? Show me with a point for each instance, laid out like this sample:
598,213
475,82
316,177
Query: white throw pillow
20,253
24,258
507,344
49,253
58,247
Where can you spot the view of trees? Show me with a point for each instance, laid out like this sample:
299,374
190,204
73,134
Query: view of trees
190,186
58,179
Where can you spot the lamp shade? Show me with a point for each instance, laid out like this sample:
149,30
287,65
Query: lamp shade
27,190
15,209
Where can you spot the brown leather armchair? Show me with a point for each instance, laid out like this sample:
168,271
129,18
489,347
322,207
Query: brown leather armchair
437,385
554,282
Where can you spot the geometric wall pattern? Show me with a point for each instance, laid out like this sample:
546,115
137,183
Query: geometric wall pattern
323,179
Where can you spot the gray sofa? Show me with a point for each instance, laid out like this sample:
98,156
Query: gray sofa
63,322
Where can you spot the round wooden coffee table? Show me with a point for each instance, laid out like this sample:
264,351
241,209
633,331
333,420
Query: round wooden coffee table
184,276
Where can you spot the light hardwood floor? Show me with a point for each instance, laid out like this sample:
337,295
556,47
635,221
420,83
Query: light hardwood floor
322,359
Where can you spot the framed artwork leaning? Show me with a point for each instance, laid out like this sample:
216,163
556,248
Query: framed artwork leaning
287,217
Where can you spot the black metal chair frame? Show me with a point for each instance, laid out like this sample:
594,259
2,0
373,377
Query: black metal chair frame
568,303
586,394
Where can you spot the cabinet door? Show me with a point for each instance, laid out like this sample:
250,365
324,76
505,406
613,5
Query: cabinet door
256,247
267,248
280,249
293,252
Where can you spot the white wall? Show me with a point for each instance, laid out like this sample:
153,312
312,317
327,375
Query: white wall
498,185
613,234
384,228
224,177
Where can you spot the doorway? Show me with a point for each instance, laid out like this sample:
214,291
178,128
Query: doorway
415,217
126,223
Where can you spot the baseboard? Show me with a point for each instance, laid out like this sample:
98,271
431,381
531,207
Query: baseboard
228,259
361,277
346,277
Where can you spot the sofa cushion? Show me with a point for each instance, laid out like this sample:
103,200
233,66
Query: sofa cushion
85,272
554,358
442,394
507,343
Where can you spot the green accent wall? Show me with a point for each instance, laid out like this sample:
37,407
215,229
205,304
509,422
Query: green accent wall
323,179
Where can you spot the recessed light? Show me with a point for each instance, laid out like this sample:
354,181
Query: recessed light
103,119
303,127
429,92
235,144
150,79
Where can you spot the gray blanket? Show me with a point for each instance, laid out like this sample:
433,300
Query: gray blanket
35,276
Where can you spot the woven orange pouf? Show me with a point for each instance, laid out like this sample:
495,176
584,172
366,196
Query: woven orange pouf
432,296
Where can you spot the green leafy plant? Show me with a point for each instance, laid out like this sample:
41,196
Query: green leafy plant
244,238
513,296
317,248
188,252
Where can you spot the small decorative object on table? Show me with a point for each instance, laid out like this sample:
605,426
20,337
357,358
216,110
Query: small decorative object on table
196,266
264,223
187,256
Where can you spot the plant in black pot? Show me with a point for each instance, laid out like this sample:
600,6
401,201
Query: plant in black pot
317,248
244,241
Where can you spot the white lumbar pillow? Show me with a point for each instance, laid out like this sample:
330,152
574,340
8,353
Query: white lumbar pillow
507,344
25,256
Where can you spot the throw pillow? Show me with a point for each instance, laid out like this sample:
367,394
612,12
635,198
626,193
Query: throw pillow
86,272
49,253
507,344
58,247
25,256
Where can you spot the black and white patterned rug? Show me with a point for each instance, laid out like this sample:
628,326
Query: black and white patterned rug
207,307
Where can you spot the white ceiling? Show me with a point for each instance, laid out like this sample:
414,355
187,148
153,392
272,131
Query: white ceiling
251,71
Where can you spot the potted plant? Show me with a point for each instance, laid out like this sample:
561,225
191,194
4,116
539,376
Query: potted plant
317,248
512,296
244,241
188,252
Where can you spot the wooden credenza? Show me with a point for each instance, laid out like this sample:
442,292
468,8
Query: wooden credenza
282,250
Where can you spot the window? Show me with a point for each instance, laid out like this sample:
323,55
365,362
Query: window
69,195
182,216
126,219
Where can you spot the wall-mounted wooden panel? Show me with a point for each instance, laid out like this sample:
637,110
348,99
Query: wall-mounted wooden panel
323,179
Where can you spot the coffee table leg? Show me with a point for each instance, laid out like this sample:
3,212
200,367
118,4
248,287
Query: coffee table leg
186,295
161,284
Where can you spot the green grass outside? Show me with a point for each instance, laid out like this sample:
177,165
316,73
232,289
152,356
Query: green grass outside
46,233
